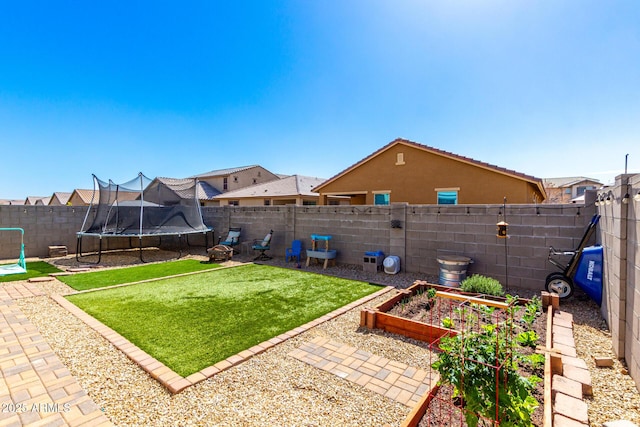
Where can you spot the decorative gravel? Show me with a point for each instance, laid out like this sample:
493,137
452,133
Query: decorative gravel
275,389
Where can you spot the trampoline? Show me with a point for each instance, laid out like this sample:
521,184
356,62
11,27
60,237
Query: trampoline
143,208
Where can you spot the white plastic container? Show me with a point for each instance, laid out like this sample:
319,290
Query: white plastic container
391,264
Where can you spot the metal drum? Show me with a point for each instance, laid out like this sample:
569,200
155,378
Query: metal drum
453,269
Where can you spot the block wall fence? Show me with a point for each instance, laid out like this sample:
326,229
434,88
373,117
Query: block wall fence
426,232
619,232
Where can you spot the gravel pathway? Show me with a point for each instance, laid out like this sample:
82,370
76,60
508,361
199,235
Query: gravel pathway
275,389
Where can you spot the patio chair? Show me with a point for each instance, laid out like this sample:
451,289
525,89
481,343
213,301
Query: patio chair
233,239
262,246
294,251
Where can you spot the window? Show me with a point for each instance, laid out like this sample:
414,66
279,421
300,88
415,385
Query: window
225,185
381,199
235,179
267,202
308,203
580,190
447,197
255,181
234,203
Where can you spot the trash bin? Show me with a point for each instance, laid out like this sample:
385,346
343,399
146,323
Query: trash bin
453,269
391,264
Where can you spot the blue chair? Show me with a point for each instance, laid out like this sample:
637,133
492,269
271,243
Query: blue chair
262,246
294,251
233,238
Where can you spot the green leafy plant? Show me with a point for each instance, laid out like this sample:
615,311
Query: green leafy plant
447,322
482,284
531,310
535,360
475,363
528,338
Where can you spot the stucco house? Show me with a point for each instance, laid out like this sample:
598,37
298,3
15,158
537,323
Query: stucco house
291,190
234,178
406,171
568,189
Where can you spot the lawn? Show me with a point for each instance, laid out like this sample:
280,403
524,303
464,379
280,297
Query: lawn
112,277
34,269
191,322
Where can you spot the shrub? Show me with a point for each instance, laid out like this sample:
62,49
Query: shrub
482,285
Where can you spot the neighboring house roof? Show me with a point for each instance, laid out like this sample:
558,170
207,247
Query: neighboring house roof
85,195
498,169
32,200
62,197
184,188
294,185
567,181
43,201
223,172
206,191
11,202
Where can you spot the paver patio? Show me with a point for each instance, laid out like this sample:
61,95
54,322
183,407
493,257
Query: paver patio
36,389
395,380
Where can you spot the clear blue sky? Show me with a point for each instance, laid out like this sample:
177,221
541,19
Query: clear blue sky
548,88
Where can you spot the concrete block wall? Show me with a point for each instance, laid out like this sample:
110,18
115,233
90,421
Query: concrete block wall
519,261
620,234
420,234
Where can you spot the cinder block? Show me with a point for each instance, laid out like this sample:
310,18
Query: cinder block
583,376
571,407
561,384
562,421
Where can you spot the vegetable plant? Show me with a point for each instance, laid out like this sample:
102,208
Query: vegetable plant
482,365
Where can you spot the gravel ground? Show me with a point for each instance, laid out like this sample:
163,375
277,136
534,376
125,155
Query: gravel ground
274,389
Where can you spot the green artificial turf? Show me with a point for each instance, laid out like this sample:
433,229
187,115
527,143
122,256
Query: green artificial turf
34,269
118,276
191,322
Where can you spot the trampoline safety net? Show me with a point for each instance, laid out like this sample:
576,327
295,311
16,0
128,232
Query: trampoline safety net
144,207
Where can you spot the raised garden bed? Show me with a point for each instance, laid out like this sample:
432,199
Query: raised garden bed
429,313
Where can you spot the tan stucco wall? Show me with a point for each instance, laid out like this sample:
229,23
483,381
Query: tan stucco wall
415,181
241,179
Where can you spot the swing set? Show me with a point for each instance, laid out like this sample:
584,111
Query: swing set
21,266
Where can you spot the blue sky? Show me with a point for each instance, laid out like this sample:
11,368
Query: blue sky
548,88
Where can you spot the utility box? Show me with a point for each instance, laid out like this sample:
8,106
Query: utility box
372,261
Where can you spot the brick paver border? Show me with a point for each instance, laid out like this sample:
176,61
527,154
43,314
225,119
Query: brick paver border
176,383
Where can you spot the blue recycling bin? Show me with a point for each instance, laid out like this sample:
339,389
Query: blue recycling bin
589,272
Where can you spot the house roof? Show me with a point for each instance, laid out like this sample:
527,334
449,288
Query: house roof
183,188
11,202
85,195
468,160
32,200
43,201
63,197
567,181
223,172
294,185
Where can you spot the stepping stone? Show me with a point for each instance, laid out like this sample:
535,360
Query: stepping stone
61,273
78,269
40,279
